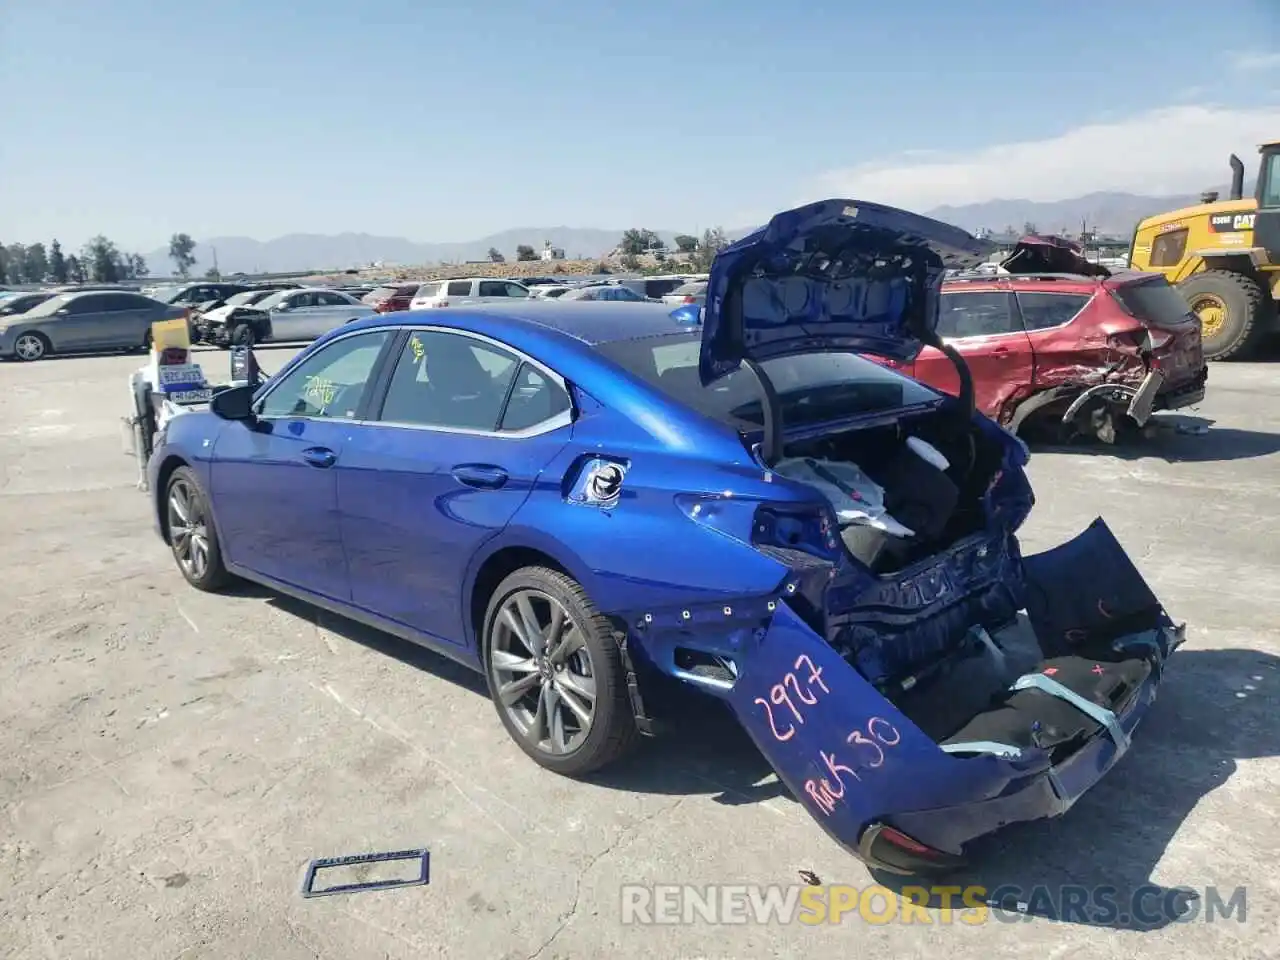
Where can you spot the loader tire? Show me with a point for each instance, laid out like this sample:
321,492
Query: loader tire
1232,308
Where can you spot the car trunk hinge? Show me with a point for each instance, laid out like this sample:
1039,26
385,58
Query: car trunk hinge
771,408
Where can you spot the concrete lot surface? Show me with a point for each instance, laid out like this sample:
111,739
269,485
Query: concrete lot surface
170,761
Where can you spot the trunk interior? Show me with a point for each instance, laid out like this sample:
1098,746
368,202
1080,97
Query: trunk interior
939,507
1089,626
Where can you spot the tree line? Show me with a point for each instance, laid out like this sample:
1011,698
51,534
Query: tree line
700,250
99,261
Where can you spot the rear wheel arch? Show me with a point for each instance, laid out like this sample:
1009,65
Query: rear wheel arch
490,573
170,464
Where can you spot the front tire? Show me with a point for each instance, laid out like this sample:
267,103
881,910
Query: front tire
1232,309
555,673
243,336
30,347
192,537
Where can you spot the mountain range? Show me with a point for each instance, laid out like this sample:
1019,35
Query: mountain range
1108,213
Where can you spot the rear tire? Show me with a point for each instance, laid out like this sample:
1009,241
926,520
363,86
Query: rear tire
1232,308
542,695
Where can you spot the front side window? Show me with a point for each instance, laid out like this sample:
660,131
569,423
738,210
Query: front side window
330,383
460,288
975,315
515,290
332,300
493,288
449,381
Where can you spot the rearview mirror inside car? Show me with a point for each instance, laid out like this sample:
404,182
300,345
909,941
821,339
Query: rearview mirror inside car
233,404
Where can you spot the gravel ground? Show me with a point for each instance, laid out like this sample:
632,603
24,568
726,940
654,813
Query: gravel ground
172,760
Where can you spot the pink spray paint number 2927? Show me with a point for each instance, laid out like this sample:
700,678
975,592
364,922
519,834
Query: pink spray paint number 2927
791,693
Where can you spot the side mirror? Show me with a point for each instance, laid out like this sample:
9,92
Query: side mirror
234,404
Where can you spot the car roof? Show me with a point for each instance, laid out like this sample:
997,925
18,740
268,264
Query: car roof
591,322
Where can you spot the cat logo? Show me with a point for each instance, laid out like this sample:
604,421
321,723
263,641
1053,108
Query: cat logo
1231,222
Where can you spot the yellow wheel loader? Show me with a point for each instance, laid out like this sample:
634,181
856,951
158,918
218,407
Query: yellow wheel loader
1224,256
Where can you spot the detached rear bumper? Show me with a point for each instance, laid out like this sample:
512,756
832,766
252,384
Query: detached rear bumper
905,802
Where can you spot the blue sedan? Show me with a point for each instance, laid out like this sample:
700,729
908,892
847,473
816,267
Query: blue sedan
585,502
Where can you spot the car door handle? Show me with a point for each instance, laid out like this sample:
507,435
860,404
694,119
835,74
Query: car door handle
319,456
1000,351
480,475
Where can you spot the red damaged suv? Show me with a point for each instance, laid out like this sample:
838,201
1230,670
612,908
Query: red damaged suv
392,297
1060,342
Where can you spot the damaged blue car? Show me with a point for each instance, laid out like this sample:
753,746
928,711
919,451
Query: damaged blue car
577,498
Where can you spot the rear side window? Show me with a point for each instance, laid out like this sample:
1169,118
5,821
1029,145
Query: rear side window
975,315
534,398
449,381
1154,301
460,288
659,288
1040,311
1168,248
691,289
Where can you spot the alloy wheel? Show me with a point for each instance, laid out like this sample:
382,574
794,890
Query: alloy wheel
29,347
542,672
188,530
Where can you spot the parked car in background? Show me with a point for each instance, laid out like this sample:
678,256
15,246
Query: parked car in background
82,322
290,315
219,323
1083,352
192,294
548,291
392,296
444,293
603,291
687,293
651,288
12,304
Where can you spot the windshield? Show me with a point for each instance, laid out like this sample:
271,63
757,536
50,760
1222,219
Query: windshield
166,294
273,298
246,298
50,306
812,387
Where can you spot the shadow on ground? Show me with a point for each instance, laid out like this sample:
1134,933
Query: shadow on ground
1216,707
1179,438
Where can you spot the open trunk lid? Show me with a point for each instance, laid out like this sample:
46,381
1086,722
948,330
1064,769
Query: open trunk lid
836,275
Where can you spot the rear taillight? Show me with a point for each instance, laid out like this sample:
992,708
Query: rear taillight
382,306
811,531
689,299
441,303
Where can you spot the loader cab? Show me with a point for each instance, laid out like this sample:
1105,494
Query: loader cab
1266,228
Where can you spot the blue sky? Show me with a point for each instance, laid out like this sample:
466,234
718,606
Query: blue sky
449,121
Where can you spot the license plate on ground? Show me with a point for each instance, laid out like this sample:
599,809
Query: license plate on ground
190,396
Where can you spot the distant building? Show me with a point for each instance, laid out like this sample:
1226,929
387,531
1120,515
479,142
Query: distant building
551,253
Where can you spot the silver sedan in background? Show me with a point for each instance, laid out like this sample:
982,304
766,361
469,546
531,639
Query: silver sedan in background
84,322
310,313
